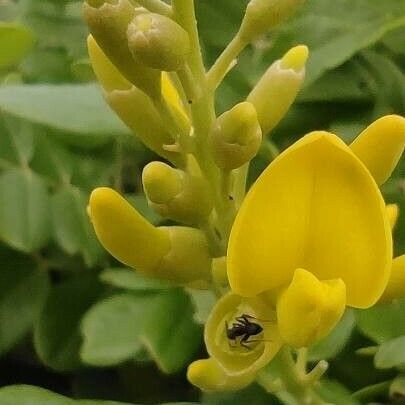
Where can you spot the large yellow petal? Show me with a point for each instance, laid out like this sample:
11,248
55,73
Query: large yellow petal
315,207
381,145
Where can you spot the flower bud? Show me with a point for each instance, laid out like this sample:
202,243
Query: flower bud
392,211
188,262
158,42
276,90
309,309
381,145
236,136
137,111
219,272
208,376
175,194
396,283
177,254
235,359
263,15
108,23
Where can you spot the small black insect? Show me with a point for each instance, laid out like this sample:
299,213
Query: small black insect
243,328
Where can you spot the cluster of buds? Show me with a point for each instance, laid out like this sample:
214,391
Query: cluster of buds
313,234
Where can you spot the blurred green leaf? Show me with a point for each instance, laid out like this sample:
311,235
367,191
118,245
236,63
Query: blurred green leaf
76,109
391,353
140,202
169,332
330,346
335,393
15,41
203,301
29,395
57,338
382,322
71,225
24,210
111,330
23,290
129,279
397,387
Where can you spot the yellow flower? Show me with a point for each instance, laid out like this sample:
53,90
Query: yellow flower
314,231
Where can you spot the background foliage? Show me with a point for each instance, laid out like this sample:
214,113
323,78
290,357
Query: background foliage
71,321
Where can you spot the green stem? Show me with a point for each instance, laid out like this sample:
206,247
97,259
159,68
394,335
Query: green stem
156,6
296,381
372,391
225,62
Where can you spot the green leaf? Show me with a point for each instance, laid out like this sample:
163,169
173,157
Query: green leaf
76,109
72,228
382,322
23,290
335,393
24,210
330,346
115,329
111,330
57,338
29,395
397,387
169,332
391,353
203,301
131,280
15,42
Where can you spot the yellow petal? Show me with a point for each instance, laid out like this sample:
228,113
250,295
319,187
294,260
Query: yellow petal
128,236
392,211
396,284
381,145
309,309
107,74
171,95
235,359
207,375
315,207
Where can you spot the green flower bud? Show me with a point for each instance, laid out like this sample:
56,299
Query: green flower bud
188,261
137,111
108,23
236,137
263,15
277,89
158,42
175,194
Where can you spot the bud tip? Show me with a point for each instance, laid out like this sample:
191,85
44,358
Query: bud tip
295,58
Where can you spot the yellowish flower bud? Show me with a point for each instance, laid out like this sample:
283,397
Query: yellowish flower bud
177,254
232,356
108,24
263,15
189,260
396,283
277,89
380,146
128,236
107,74
158,42
309,309
208,375
137,111
392,211
219,273
175,194
236,136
